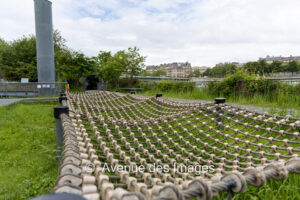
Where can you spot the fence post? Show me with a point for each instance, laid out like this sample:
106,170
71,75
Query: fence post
58,110
265,89
157,96
219,112
6,90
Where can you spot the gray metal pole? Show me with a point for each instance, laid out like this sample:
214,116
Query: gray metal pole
44,44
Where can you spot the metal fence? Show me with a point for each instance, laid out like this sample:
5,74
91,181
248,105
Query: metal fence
31,89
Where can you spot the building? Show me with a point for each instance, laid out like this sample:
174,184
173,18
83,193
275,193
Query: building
288,59
175,70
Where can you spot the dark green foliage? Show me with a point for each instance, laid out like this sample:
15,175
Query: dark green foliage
220,70
276,66
242,85
165,85
124,83
159,73
18,59
197,73
74,65
260,67
155,73
292,66
263,68
111,67
134,61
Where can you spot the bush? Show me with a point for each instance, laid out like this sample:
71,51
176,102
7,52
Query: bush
242,85
167,85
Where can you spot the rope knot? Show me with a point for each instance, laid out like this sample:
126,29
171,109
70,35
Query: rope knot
170,192
202,190
235,182
277,171
258,175
132,196
293,165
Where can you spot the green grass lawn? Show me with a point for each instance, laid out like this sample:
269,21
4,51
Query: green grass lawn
28,165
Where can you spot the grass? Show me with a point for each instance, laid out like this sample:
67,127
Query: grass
282,101
28,165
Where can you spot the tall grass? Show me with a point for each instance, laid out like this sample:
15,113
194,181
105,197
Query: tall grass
284,97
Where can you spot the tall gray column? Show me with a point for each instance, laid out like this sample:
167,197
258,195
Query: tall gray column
44,44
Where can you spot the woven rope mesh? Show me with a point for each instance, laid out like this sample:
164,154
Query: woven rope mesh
202,149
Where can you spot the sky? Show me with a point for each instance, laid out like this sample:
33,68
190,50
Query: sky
202,32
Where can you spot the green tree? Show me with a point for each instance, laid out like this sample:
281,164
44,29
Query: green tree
18,59
74,65
251,67
112,67
207,72
144,73
220,70
292,67
159,73
197,73
263,67
134,61
276,66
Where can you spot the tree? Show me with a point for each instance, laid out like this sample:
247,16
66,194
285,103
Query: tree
207,72
111,67
134,61
292,67
18,59
197,73
263,67
276,66
220,70
159,73
74,65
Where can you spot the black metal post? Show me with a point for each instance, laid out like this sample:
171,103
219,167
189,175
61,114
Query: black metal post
157,96
219,112
58,110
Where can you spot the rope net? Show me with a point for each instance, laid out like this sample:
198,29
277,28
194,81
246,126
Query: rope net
120,146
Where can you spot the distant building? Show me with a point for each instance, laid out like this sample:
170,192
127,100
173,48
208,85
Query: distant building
288,59
175,70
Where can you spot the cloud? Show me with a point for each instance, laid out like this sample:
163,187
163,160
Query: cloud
202,32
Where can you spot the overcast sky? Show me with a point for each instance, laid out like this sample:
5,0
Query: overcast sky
203,32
